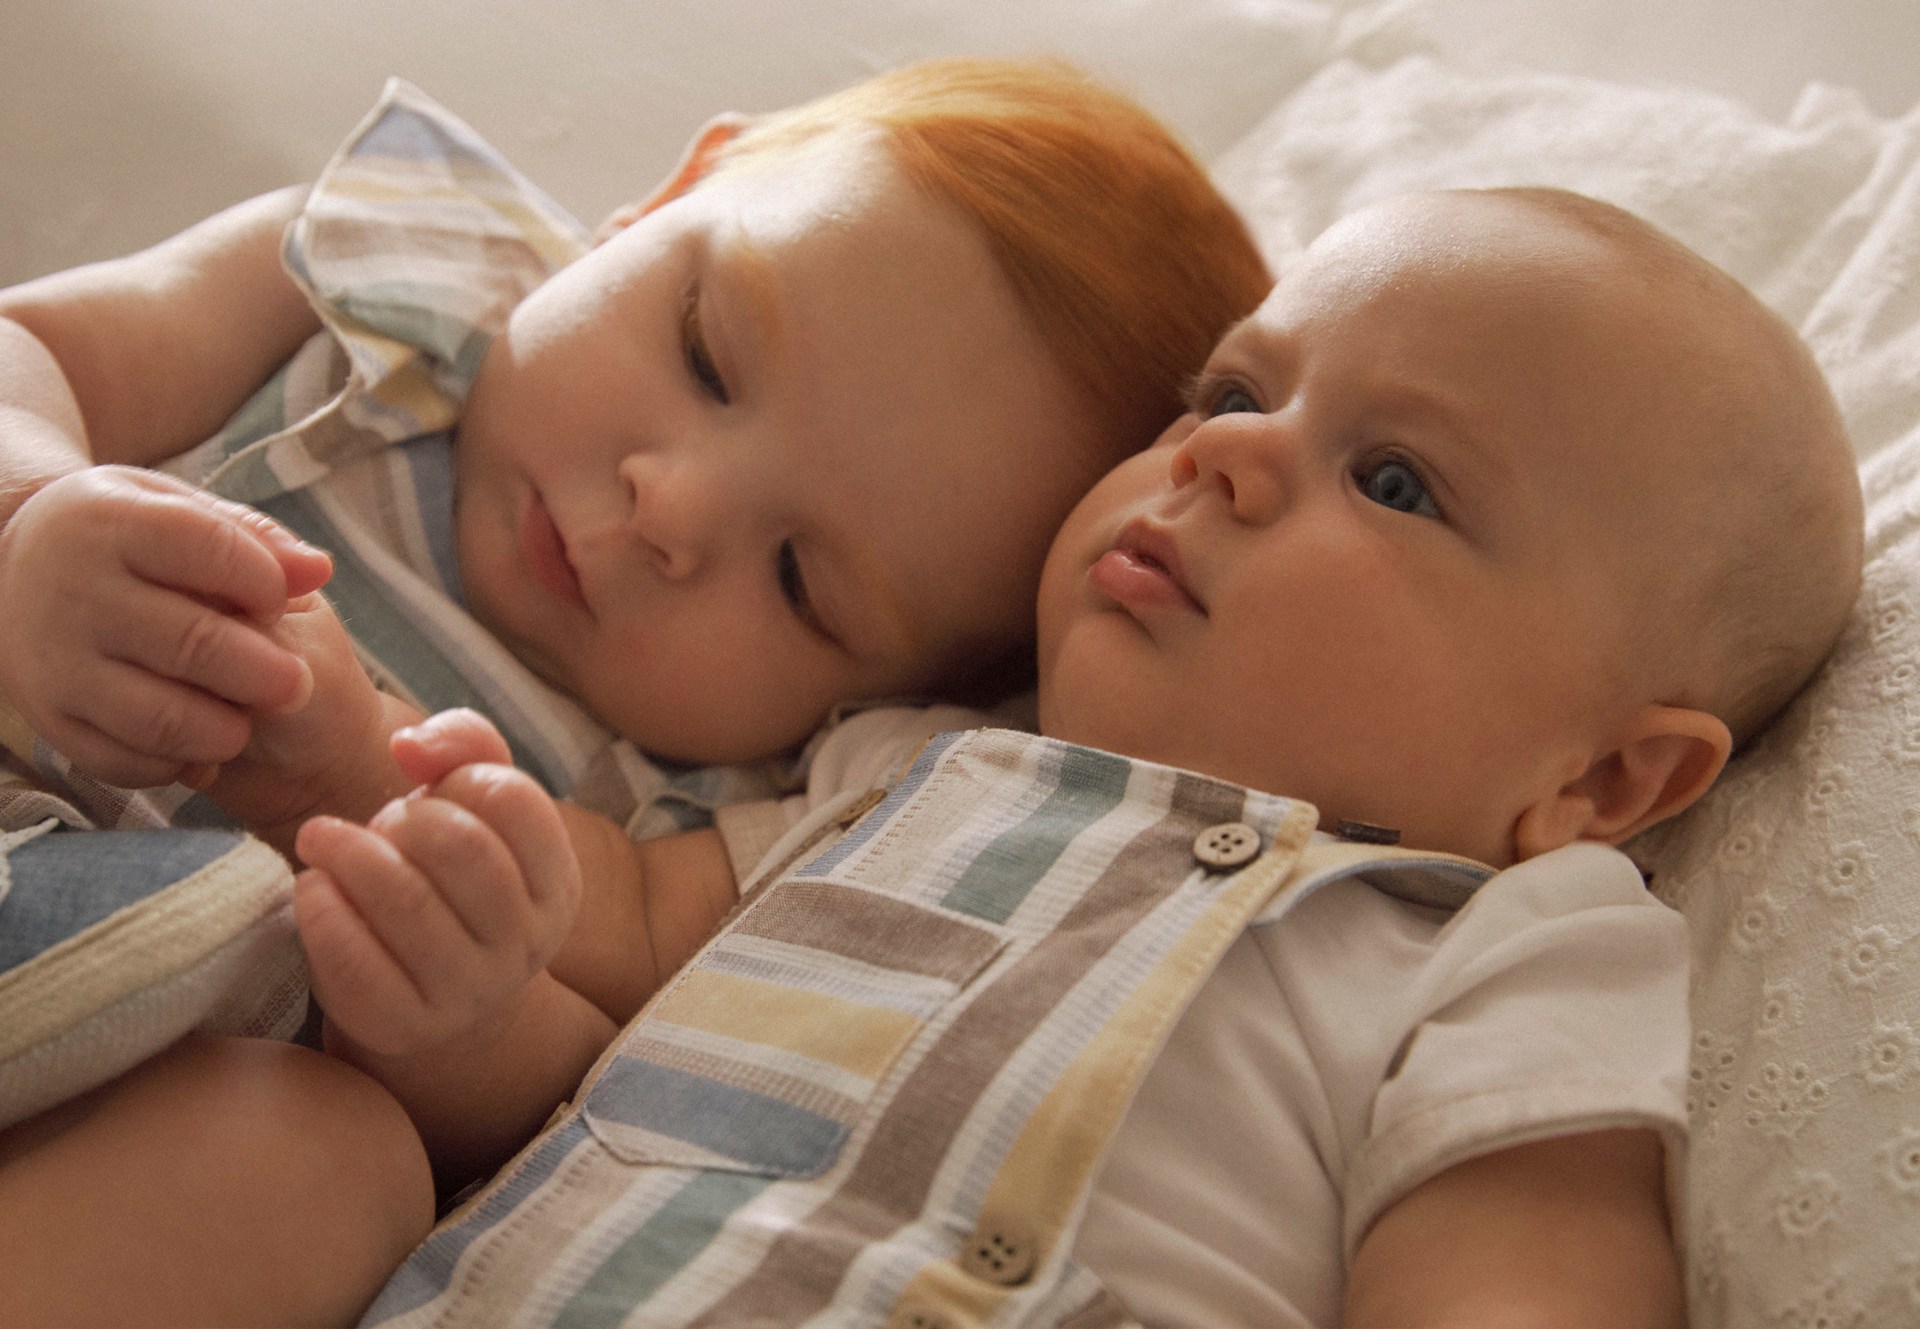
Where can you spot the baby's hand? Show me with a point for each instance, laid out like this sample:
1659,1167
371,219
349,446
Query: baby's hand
331,755
428,923
136,612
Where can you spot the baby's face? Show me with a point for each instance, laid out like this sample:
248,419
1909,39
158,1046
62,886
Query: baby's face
785,441
1386,563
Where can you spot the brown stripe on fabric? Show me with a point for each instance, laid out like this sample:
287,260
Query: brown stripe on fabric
889,1183
329,437
503,266
795,1089
872,928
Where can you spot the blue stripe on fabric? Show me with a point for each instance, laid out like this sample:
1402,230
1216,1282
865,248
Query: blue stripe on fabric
1089,785
201,813
869,826
66,882
403,132
665,1244
407,644
428,1272
430,461
415,314
768,1135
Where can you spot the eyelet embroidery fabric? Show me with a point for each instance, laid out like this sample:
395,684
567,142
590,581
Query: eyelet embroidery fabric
1800,880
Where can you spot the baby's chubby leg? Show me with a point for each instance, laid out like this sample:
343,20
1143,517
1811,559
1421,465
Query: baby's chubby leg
225,1182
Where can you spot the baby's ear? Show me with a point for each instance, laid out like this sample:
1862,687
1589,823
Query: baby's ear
694,164
1665,759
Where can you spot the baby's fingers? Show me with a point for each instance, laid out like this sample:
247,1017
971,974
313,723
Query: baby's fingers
225,553
384,924
473,873
527,823
231,658
128,727
358,982
429,751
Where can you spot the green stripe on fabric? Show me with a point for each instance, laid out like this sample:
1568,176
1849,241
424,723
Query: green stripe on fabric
662,1246
1090,784
264,413
414,313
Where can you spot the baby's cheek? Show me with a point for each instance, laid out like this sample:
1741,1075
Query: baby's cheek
721,712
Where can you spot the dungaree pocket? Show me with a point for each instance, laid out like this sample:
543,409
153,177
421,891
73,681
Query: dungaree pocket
761,1055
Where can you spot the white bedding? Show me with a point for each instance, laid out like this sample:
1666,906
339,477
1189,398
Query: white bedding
1800,876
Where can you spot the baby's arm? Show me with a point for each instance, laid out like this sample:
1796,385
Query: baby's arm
135,605
1562,1233
430,931
152,352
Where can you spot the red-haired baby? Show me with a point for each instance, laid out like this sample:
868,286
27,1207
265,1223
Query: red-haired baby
791,433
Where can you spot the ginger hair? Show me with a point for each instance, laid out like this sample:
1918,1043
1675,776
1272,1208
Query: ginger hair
1115,240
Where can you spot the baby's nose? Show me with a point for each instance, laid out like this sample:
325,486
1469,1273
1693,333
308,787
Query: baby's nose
676,512
1249,459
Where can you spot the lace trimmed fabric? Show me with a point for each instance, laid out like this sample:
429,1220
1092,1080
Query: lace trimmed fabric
1800,880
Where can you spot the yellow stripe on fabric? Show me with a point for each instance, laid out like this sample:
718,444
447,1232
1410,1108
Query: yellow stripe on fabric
353,182
410,388
943,1286
1045,1173
856,1037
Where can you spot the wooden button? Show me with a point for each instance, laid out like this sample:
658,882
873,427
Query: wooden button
998,1256
1227,845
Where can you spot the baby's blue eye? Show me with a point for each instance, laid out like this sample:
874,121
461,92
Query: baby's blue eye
1394,484
1230,400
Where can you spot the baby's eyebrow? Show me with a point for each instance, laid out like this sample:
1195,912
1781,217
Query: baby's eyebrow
1447,414
756,279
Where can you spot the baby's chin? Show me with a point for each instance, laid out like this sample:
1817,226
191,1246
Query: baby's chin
687,736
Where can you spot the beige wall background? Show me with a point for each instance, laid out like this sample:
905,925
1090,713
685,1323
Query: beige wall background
123,120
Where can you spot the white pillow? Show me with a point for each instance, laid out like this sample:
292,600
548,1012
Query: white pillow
1799,875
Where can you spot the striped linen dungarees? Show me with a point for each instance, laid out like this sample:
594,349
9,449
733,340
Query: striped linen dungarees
879,1095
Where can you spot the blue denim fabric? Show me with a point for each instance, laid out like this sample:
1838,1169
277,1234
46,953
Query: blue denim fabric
66,881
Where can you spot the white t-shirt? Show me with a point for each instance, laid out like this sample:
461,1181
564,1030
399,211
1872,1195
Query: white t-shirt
1339,1057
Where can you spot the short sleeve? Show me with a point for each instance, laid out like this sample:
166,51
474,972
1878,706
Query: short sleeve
1554,1003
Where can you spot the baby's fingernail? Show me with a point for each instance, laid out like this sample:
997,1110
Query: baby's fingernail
303,689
